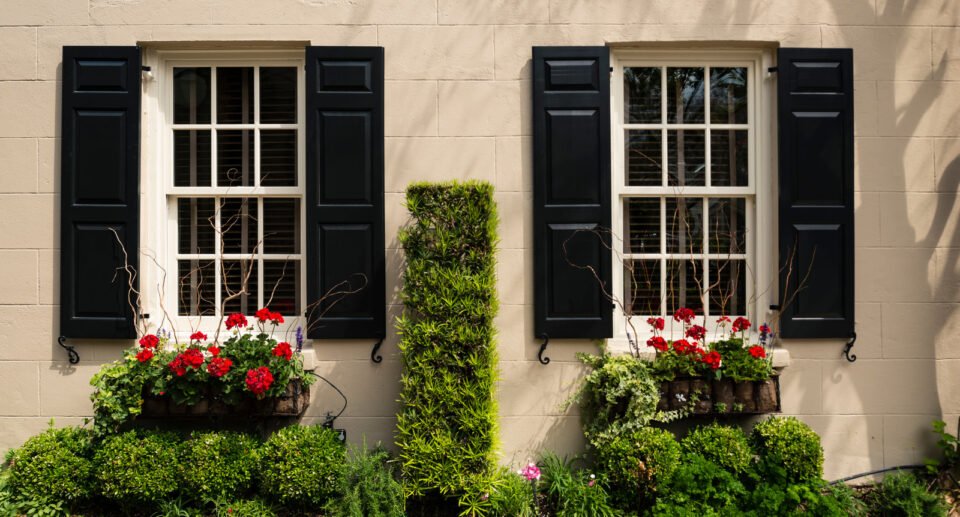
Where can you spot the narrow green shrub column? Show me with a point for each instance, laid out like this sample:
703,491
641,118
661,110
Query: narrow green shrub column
447,426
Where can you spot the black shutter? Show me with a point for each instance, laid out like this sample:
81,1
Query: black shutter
815,97
345,217
571,192
99,179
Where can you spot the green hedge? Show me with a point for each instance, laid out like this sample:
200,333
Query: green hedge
447,426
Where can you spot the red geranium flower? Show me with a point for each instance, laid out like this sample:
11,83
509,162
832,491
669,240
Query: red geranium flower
684,314
276,318
263,314
192,357
219,366
712,359
259,380
682,346
149,341
214,350
145,355
741,324
283,350
236,320
696,332
723,320
758,352
177,366
658,342
656,323
198,336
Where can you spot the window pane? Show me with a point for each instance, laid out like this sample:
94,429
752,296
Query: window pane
685,95
728,95
239,282
238,223
191,95
644,158
686,163
641,95
728,287
191,158
641,219
196,280
235,96
195,223
235,158
684,278
281,225
728,158
278,95
684,225
727,225
641,286
278,158
281,286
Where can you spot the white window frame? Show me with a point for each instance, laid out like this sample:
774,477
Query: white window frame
761,228
159,250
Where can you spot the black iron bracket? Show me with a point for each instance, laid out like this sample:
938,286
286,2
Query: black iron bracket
374,356
72,356
846,349
772,69
543,348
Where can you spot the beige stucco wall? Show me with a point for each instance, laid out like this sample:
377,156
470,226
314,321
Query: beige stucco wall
457,107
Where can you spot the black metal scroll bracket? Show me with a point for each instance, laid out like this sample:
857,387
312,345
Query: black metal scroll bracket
543,348
73,356
848,347
374,356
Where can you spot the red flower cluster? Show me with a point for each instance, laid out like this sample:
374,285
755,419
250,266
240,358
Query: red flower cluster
198,336
214,350
656,323
712,359
658,343
684,314
682,346
758,352
283,350
145,355
189,358
723,320
236,320
696,332
259,380
741,324
219,366
149,341
265,315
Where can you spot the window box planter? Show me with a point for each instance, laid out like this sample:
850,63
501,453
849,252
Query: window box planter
723,396
292,403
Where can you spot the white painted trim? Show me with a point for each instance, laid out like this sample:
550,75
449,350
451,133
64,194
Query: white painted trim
762,187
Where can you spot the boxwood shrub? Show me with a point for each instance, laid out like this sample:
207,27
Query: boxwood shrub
218,465
789,443
447,425
53,466
639,462
726,446
138,467
301,466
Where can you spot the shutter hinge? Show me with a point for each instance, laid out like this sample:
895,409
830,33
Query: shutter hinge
772,69
72,356
846,349
543,348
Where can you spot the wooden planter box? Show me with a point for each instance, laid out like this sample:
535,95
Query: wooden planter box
292,403
747,397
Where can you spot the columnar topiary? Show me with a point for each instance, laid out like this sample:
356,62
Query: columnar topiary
446,429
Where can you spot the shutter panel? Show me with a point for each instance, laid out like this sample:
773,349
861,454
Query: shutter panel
345,215
571,192
99,180
815,98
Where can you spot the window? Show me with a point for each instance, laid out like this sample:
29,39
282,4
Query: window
686,156
233,184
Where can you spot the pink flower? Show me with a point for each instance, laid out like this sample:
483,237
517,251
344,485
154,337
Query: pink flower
531,472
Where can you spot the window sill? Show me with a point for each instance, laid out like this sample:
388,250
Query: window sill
780,356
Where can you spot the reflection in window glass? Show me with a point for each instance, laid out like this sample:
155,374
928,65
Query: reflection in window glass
728,95
641,286
644,160
191,95
686,158
684,95
641,94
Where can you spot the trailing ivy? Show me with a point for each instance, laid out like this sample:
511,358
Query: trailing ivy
447,426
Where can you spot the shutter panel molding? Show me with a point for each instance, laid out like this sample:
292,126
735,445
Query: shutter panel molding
344,203
571,192
816,211
99,182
